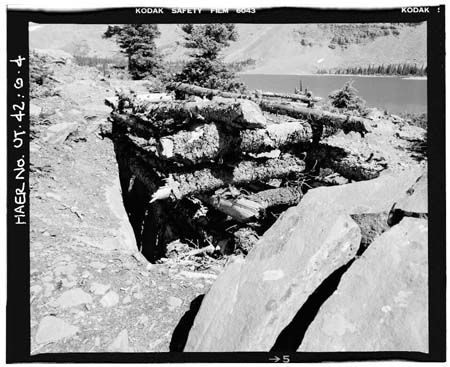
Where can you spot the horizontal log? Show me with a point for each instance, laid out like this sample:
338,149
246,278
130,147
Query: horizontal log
245,208
210,179
154,97
275,136
200,144
201,91
207,142
241,209
239,113
325,118
293,97
256,95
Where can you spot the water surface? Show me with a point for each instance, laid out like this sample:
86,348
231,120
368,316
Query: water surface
393,94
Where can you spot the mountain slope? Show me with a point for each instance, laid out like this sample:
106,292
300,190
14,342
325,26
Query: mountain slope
276,48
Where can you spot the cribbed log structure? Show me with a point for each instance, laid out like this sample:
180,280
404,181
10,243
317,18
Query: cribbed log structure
228,167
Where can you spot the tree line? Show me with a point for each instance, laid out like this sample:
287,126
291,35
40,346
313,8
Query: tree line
404,69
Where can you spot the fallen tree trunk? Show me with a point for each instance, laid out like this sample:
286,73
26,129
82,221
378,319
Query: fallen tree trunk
241,209
316,116
210,179
249,207
293,97
207,142
233,113
209,93
201,91
154,97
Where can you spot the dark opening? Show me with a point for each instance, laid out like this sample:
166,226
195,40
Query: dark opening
181,332
292,335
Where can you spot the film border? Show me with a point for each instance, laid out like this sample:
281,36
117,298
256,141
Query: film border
18,336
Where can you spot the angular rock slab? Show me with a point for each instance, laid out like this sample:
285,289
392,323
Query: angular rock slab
253,301
373,196
381,303
52,329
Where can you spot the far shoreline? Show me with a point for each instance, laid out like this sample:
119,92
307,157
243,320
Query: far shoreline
410,77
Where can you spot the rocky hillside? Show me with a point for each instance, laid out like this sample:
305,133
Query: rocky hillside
91,290
275,48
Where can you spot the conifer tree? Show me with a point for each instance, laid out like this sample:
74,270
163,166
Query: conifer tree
206,68
138,43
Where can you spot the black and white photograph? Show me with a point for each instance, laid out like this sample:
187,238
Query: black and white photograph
223,185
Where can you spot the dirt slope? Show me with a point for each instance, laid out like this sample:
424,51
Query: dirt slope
91,290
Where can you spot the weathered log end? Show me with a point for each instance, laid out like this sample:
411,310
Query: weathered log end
166,148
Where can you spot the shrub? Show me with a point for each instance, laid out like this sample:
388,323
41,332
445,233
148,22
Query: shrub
347,98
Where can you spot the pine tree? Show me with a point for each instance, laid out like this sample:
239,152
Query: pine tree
138,42
206,68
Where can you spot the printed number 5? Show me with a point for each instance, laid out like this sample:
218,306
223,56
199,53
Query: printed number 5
286,358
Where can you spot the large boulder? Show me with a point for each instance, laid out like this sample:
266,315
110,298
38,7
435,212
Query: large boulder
253,301
374,196
381,303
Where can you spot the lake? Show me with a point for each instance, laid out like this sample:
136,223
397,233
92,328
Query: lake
393,94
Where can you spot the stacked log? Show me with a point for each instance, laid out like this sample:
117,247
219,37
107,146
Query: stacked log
239,157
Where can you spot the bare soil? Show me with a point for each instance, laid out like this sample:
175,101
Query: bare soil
85,268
